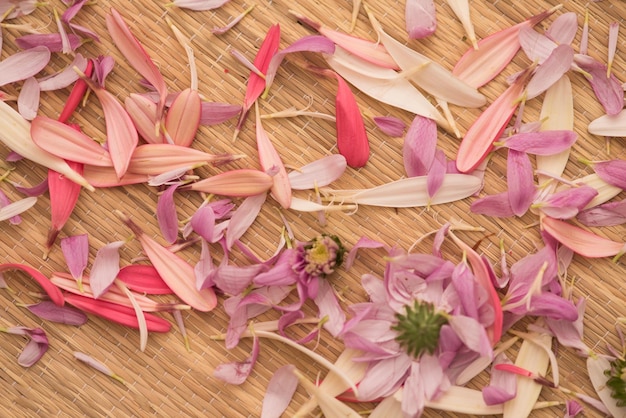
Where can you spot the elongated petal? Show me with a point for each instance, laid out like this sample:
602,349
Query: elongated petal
166,214
105,267
23,64
369,51
136,55
270,161
479,138
117,313
319,173
16,136
433,77
68,143
384,85
608,90
76,252
390,125
613,35
542,142
183,117
16,208
65,77
62,314
567,203
536,46
331,407
550,71
279,392
462,11
563,29
498,205
155,159
107,177
222,30
608,214
412,192
479,66
597,366
4,201
420,18
143,113
177,273
420,143
96,364
520,181
199,5
502,385
609,125
144,279
28,100
581,241
51,290
213,113
436,174
612,171
235,183
64,195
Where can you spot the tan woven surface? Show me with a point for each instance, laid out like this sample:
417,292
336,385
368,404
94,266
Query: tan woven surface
166,380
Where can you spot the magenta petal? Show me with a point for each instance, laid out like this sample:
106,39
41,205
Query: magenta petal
280,390
393,127
608,214
363,242
213,113
105,267
542,142
419,146
72,10
497,205
36,346
612,171
436,173
203,223
550,71
281,274
62,314
520,181
421,18
166,214
103,65
23,64
76,252
33,191
569,200
237,372
608,90
51,41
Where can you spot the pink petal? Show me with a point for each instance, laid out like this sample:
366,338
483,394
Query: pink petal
608,90
33,191
567,203
419,146
4,201
613,35
35,349
608,214
497,205
502,385
237,372
270,161
472,333
390,125
613,172
52,41
103,66
213,113
243,217
563,29
327,303
75,249
28,100
65,77
105,267
520,181
166,214
542,142
581,241
536,46
421,18
203,223
222,30
550,71
280,390
436,173
319,173
61,314
23,64
143,279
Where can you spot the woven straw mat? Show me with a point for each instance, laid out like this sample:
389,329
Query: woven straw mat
166,379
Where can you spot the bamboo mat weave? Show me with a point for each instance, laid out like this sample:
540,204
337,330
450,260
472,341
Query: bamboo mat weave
166,380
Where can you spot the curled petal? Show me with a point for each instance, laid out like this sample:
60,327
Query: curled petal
53,292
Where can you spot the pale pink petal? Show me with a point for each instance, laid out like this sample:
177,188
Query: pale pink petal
563,29
65,77
542,142
281,274
166,214
326,301
413,396
613,35
280,390
35,348
419,147
222,30
28,100
421,18
103,66
62,314
72,10
32,191
550,71
75,249
23,64
319,173
199,5
233,280
436,173
96,364
536,46
612,171
243,217
13,209
472,333
237,372
203,223
390,125
204,268
497,205
105,267
520,181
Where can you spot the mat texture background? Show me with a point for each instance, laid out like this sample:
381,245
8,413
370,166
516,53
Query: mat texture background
166,380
